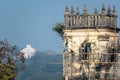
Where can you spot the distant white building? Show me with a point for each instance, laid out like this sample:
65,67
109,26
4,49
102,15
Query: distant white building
28,51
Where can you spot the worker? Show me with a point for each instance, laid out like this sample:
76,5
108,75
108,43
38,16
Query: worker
88,45
83,47
71,50
72,54
66,45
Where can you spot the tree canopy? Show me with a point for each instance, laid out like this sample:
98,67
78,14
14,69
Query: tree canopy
9,56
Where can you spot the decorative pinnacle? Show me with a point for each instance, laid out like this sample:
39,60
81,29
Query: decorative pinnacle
66,9
109,9
77,11
114,10
103,8
95,11
72,10
85,9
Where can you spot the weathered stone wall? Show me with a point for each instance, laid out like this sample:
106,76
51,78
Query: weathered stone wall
102,38
105,18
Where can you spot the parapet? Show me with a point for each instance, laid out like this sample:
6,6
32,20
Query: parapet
107,18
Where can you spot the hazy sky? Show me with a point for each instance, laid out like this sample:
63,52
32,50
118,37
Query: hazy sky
30,21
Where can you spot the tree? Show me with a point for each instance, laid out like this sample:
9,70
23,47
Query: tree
59,27
9,56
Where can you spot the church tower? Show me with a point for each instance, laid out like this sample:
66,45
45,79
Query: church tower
91,44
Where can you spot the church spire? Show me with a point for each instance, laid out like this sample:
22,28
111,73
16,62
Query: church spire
85,10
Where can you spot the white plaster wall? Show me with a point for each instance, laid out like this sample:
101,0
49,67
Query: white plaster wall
79,35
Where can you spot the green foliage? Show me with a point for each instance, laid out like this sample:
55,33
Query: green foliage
7,61
59,27
7,72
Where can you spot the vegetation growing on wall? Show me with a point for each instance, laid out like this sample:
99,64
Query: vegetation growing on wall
59,27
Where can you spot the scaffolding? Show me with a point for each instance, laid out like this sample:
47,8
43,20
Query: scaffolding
91,60
93,63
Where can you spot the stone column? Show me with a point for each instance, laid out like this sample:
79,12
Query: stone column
89,20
